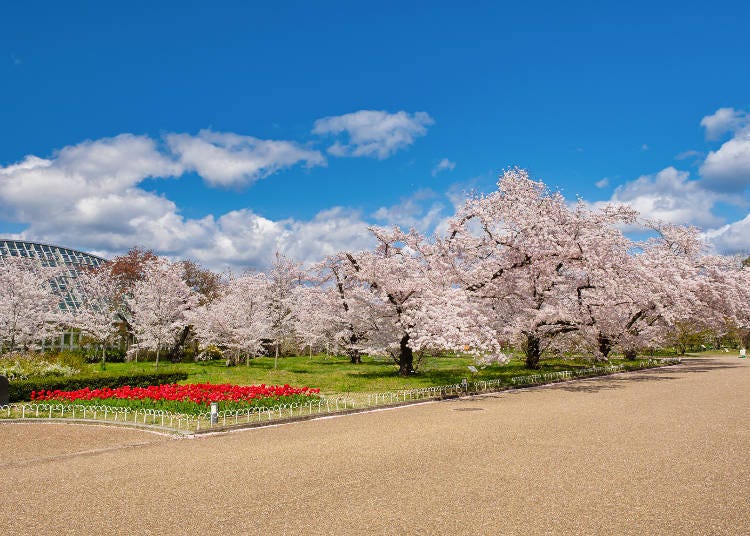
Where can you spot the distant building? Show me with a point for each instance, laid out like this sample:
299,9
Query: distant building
50,255
54,255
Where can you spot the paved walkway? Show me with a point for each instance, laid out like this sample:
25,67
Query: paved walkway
656,452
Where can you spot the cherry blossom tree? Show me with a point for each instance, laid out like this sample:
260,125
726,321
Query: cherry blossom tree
159,303
314,319
411,307
720,294
283,277
637,290
206,285
662,291
29,307
237,318
97,292
691,283
527,256
520,265
338,317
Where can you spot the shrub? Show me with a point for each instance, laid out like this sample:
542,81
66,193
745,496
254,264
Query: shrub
21,366
69,358
209,353
23,369
21,390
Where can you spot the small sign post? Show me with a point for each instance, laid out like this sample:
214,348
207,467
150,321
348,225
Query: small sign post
214,413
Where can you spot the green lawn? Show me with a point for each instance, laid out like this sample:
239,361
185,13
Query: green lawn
337,375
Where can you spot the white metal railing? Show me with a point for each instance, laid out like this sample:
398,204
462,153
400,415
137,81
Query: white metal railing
549,377
183,423
102,413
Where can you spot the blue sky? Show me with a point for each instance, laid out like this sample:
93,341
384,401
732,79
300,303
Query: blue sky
223,131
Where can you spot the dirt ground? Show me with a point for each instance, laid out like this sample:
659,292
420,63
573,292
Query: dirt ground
656,452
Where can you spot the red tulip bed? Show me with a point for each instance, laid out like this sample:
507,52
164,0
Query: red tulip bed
189,399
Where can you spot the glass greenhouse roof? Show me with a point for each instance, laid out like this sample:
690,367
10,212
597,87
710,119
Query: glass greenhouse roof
50,255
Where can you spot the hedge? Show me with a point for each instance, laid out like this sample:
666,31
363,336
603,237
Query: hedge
20,390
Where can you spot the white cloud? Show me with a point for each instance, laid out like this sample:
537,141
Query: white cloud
329,232
226,159
671,196
443,165
728,168
603,183
37,189
731,239
724,120
90,196
644,147
684,155
373,133
410,212
242,238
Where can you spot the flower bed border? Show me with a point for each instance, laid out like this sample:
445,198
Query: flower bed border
284,413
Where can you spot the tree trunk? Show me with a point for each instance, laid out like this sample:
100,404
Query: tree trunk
605,346
533,351
276,358
405,357
354,356
175,354
158,348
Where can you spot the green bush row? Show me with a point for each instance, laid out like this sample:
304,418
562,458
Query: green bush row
21,390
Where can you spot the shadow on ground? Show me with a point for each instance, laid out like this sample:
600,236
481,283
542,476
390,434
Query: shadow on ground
689,366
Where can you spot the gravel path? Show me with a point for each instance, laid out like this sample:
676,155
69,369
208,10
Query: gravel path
655,452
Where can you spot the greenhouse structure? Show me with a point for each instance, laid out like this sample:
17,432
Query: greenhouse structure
50,255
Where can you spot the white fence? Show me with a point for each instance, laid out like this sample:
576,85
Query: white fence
549,377
103,414
325,405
